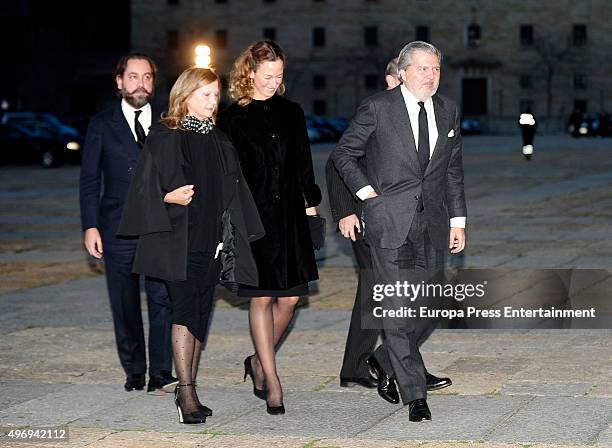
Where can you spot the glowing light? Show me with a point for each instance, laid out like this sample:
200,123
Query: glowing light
73,146
203,56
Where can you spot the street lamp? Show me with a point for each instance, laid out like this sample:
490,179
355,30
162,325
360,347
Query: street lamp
202,56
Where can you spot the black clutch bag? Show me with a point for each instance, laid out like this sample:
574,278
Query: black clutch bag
317,230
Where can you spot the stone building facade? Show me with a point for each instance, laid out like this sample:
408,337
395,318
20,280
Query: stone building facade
500,57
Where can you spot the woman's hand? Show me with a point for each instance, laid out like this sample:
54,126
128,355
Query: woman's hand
311,211
181,196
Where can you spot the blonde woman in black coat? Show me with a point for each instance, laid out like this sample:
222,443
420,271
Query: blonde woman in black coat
195,216
270,135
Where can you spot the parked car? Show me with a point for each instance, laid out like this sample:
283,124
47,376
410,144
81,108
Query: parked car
36,142
314,136
325,129
27,118
589,125
470,127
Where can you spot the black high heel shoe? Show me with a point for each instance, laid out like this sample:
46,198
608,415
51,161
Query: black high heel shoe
203,409
274,410
187,417
248,370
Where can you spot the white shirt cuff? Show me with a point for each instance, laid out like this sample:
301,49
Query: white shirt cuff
458,221
364,192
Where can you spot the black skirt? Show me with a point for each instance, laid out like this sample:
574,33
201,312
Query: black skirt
192,298
299,290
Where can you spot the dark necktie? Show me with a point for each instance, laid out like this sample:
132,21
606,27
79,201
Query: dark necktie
140,133
423,148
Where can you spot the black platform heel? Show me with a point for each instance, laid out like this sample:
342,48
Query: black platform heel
248,370
187,417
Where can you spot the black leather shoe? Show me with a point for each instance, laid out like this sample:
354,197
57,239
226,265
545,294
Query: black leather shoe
162,383
386,385
419,411
134,382
435,383
369,382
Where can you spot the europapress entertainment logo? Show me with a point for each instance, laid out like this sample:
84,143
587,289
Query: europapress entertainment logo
413,291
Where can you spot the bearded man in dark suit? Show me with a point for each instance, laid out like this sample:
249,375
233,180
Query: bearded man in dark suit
114,139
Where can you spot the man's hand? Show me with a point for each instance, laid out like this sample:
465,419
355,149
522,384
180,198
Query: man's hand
93,242
347,226
181,196
457,240
311,211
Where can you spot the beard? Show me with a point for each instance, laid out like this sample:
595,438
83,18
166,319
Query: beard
137,98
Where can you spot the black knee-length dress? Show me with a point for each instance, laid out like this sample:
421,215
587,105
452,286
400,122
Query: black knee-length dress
192,298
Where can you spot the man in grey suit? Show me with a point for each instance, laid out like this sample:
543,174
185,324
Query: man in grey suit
414,206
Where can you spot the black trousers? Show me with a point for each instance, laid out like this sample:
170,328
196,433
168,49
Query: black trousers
124,293
528,133
415,261
359,342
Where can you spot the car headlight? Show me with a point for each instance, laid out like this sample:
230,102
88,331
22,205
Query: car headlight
73,146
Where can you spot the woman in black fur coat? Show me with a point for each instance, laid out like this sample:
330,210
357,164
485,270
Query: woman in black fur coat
270,135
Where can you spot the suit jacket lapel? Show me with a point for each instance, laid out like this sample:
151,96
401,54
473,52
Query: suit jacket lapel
401,123
442,123
122,128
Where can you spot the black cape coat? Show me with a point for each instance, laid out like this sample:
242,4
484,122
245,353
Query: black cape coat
163,228
274,151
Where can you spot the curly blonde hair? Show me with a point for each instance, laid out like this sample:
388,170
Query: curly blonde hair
241,85
188,82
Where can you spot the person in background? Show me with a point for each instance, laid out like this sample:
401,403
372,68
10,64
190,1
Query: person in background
360,342
528,124
391,75
112,145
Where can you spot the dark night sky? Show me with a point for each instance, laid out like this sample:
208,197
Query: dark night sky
58,55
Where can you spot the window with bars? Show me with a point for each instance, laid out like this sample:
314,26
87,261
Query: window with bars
269,33
579,35
319,82
526,35
172,39
580,81
421,32
526,81
474,35
371,82
221,39
370,36
318,36
319,107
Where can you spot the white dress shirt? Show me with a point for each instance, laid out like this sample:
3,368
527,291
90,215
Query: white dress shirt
412,105
144,118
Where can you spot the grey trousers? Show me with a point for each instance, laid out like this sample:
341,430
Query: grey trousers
415,261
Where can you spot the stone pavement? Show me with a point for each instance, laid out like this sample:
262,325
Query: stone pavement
517,388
